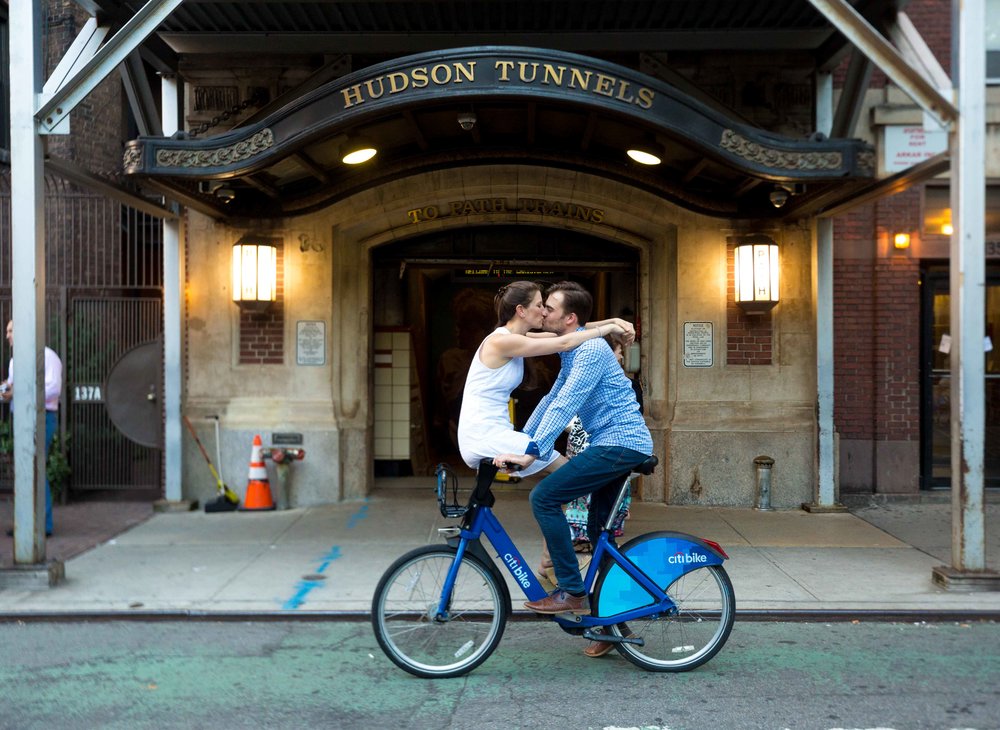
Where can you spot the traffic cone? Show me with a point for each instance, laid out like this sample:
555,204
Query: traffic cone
258,496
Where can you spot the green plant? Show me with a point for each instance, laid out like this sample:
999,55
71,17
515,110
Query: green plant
57,467
6,438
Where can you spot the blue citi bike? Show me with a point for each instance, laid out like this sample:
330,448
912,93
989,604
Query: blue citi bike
663,599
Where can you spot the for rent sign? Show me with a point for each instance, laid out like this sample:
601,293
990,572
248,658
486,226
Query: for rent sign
905,146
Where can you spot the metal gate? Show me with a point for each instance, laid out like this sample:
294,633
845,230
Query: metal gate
101,330
103,297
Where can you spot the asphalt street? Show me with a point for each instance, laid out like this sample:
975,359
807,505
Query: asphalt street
200,674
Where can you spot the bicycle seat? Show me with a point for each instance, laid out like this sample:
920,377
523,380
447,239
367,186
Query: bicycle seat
647,466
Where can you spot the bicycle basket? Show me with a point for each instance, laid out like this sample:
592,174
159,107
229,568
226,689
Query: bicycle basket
447,492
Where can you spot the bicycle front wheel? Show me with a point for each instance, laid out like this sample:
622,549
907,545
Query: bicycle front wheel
405,608
693,633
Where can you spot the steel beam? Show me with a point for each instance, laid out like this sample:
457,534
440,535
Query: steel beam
870,42
173,318
103,63
140,95
27,212
967,272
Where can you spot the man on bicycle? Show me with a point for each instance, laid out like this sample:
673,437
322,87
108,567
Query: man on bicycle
591,385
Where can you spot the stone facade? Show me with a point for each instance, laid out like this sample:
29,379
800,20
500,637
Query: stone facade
708,423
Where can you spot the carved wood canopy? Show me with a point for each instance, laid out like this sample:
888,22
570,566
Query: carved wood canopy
500,104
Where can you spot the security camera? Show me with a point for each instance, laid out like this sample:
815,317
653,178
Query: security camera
467,120
778,196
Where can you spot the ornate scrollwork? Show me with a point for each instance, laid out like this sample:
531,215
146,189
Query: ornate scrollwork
132,159
761,155
218,157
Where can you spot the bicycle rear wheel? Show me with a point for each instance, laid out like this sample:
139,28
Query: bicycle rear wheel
405,605
691,635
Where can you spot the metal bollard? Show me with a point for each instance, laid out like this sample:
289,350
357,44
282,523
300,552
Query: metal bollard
763,466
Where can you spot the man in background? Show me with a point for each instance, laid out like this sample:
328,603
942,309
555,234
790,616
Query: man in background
53,389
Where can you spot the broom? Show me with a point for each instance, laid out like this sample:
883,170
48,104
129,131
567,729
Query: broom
227,500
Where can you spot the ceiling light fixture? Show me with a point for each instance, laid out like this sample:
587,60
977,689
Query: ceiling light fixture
357,150
646,153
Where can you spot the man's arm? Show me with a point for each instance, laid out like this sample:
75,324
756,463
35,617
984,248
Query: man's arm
579,383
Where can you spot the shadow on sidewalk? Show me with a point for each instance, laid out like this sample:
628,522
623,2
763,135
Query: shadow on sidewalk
79,526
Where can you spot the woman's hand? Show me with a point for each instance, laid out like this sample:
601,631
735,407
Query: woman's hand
627,334
524,460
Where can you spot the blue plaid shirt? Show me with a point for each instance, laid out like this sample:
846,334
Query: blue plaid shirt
591,385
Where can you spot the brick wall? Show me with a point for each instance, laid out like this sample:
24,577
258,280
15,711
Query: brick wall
877,323
97,124
748,336
262,334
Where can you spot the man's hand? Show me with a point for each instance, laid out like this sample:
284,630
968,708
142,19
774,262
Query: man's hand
525,460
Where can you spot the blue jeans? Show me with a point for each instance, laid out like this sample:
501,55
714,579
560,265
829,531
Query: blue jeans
589,471
51,424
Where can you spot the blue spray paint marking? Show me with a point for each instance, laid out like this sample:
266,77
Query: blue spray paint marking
304,587
358,516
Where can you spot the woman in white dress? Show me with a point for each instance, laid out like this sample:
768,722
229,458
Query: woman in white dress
484,427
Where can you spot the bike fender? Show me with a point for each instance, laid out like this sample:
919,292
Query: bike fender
664,557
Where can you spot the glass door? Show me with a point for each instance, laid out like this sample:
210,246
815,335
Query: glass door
936,381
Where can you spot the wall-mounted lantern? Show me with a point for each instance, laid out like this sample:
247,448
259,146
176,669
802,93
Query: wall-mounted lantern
756,270
255,274
901,241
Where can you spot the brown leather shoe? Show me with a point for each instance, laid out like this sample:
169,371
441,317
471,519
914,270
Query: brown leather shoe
560,602
598,648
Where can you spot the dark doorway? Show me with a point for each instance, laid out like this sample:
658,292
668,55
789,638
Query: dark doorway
440,288
936,380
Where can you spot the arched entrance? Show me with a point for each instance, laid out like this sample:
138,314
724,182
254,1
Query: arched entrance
433,294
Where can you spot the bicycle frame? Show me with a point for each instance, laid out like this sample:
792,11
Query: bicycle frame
484,522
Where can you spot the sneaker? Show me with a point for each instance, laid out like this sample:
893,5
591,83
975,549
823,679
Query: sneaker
560,602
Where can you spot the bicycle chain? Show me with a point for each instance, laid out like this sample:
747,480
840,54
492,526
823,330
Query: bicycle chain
226,115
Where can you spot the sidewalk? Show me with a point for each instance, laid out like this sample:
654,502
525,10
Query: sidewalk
328,559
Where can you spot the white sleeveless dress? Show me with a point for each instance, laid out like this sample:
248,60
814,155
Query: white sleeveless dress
484,427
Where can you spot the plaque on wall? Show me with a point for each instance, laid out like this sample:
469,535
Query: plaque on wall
310,342
698,345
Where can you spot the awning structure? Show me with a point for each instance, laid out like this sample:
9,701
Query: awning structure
497,104
711,163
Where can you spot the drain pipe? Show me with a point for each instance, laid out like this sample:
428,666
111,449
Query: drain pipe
763,465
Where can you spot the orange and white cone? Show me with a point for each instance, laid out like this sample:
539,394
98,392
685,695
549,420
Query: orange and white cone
258,495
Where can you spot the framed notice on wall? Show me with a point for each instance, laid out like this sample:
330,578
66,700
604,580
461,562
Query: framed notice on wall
310,342
698,345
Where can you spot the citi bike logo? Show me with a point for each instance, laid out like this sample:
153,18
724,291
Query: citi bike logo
522,575
685,558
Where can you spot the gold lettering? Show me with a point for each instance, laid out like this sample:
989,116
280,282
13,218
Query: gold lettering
645,98
419,76
455,207
623,90
435,76
352,96
524,67
467,70
468,208
499,205
580,213
604,84
504,68
371,88
576,78
397,82
555,73
597,216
